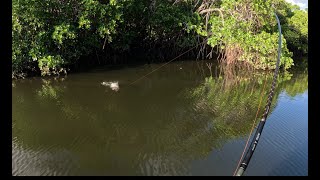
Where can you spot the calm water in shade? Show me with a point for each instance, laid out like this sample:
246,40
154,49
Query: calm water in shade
176,121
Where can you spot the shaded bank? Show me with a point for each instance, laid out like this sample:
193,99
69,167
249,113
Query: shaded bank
52,37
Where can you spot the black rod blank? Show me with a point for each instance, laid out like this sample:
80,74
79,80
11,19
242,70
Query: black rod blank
255,140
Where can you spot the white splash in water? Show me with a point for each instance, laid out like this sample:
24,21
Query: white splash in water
113,85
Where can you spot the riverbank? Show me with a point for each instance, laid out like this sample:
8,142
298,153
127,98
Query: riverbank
53,37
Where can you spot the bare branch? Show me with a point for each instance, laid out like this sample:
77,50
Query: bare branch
213,9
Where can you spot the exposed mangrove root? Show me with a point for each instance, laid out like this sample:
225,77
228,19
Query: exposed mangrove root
231,55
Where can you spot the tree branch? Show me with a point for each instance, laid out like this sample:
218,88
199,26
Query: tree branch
214,9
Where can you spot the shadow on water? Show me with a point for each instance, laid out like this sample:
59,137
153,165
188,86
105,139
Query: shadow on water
157,126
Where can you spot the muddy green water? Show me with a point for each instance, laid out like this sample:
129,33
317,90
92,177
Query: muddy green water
176,121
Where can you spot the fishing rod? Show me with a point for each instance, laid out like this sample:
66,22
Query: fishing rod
255,140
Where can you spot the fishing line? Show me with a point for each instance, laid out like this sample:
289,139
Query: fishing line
244,164
167,62
253,125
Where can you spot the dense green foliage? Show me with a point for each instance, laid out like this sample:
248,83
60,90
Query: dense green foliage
296,32
246,31
50,35
54,33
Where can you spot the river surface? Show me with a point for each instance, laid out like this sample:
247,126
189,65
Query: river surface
175,121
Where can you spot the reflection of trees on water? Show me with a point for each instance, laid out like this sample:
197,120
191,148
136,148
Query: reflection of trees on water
106,131
232,98
49,91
